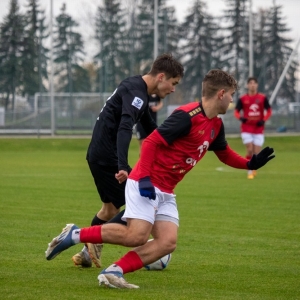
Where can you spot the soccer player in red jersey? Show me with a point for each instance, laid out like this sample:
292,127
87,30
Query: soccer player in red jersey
167,154
254,105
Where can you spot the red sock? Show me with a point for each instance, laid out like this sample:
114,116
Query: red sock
248,157
130,262
91,235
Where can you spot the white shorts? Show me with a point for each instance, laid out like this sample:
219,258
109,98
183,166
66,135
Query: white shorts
256,139
163,208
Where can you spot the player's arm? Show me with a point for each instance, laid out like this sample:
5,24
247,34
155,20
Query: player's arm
158,107
225,154
268,109
233,159
147,122
123,141
238,108
267,115
129,116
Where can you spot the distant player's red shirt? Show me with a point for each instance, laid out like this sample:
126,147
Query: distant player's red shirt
175,147
253,107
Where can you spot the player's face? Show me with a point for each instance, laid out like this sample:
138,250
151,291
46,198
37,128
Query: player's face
225,101
252,87
166,86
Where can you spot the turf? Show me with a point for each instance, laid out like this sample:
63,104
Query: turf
238,238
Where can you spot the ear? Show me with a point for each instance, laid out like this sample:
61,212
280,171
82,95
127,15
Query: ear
160,76
220,94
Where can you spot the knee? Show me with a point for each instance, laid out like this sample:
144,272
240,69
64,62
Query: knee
170,246
135,240
107,211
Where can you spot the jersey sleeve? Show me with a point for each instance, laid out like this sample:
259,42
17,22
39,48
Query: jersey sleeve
178,124
239,105
133,102
232,159
147,122
123,141
220,142
267,104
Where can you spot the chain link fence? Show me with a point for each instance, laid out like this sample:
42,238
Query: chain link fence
75,114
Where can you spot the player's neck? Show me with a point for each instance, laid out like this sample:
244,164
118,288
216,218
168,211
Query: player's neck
150,82
209,108
250,93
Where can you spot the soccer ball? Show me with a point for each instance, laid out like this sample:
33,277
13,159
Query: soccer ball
160,264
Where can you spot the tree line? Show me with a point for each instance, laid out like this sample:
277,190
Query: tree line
124,38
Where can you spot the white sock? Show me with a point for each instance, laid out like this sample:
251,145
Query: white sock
76,236
114,268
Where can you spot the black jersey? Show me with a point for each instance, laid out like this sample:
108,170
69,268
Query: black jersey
113,129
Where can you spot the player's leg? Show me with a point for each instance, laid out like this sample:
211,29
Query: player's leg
248,140
140,216
164,232
112,195
258,142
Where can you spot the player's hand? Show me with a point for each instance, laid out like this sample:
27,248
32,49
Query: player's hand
121,176
146,188
260,123
260,159
243,120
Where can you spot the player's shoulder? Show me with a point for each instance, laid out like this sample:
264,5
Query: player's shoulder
262,95
243,97
134,82
192,109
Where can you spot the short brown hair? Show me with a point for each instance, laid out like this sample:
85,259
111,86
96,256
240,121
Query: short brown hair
167,64
215,80
252,78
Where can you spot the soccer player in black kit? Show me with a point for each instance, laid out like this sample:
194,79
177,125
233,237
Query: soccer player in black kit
108,150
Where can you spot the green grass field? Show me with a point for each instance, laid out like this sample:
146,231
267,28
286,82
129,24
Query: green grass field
238,238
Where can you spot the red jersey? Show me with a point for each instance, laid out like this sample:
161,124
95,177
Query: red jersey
175,147
253,107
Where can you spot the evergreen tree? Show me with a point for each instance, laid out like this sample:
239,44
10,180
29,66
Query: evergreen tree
235,45
11,46
278,53
68,51
110,32
168,32
199,47
260,53
34,54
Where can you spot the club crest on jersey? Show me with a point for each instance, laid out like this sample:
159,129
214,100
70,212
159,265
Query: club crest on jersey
137,102
212,134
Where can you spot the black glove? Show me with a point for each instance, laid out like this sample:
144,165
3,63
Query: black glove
146,188
260,159
260,123
243,120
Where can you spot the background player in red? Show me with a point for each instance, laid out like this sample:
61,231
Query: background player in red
254,105
107,154
168,153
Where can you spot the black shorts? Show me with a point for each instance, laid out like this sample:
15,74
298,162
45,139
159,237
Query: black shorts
108,187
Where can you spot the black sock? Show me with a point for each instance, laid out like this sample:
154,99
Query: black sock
117,218
97,221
